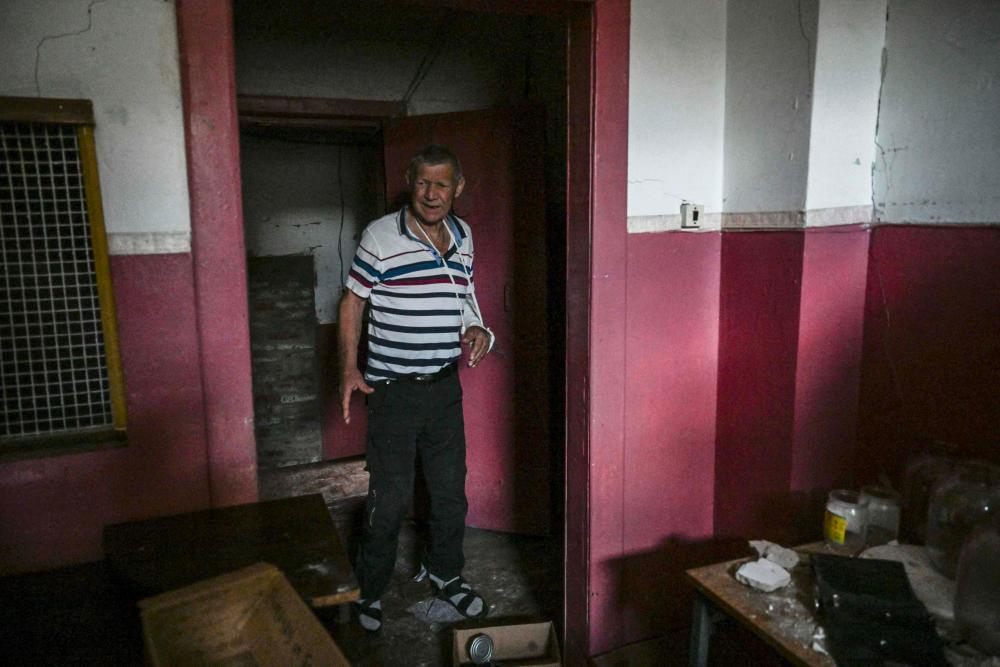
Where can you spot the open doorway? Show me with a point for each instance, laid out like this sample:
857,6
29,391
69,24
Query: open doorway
431,62
312,176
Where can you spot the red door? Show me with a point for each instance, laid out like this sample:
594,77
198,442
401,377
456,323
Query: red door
506,396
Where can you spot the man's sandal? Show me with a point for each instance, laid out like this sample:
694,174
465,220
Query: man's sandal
461,596
370,615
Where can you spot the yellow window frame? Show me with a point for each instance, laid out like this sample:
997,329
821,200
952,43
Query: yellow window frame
80,114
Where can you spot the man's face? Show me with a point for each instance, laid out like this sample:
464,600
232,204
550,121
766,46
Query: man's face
433,190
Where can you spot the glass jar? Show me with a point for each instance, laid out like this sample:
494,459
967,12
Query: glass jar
959,502
846,519
977,588
883,514
922,473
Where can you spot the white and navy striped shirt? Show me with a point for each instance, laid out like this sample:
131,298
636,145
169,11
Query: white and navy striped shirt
420,300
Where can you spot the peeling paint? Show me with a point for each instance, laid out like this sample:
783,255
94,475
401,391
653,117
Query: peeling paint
937,131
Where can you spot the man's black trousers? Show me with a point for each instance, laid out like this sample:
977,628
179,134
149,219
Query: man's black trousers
405,420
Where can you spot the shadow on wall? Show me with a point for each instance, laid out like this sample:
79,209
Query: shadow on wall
657,598
932,350
759,322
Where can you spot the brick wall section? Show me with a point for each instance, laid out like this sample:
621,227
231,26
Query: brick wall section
283,352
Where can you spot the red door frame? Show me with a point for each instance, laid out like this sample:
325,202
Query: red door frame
597,89
208,88
596,268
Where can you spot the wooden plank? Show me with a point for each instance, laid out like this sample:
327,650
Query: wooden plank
296,535
782,618
317,107
47,110
364,125
556,8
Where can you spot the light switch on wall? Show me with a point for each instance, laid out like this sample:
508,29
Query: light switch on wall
690,216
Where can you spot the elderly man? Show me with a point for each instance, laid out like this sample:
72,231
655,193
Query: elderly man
416,268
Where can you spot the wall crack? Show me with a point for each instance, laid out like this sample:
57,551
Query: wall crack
48,38
876,211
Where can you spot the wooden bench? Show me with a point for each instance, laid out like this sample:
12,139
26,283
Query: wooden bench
296,535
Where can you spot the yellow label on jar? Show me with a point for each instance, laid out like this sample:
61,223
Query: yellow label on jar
835,527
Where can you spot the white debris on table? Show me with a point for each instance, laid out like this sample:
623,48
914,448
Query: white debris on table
777,554
763,575
788,608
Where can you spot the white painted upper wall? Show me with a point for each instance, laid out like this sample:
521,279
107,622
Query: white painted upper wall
846,86
677,72
939,127
306,199
769,65
122,57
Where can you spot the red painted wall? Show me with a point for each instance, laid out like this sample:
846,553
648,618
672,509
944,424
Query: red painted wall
340,440
669,479
840,351
760,288
932,344
743,359
52,510
828,370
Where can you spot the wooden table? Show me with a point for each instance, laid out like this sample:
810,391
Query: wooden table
784,618
296,535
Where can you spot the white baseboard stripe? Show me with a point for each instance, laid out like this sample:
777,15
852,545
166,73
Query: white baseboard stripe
839,215
148,243
645,224
820,217
764,220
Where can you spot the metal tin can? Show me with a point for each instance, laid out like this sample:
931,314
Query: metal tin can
481,649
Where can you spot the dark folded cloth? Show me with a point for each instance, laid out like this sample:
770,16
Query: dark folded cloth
870,614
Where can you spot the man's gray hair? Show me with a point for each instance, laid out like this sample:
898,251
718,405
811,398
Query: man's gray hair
434,154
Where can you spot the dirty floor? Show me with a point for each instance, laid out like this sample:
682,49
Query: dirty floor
78,615
515,574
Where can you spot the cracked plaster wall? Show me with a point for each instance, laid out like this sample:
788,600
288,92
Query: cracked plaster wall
292,206
760,110
938,159
121,55
850,38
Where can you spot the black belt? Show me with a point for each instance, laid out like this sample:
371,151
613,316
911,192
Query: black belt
430,378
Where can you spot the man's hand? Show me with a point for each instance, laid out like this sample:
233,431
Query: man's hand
478,341
349,381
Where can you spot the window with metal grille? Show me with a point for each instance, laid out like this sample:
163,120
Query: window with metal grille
60,376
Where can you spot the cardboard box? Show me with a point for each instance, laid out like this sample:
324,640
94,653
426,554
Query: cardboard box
516,645
251,616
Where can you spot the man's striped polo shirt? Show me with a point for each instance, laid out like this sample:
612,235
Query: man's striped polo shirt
419,300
